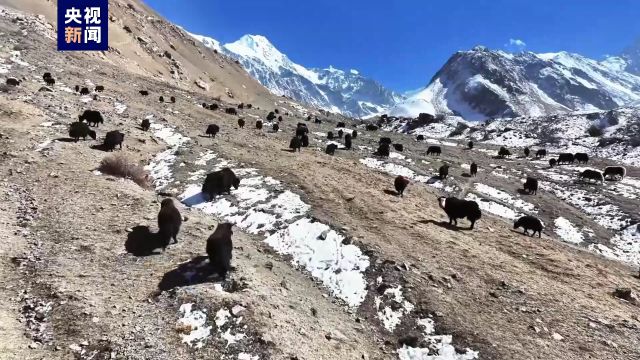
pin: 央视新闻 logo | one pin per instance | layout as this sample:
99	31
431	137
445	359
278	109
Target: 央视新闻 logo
83	25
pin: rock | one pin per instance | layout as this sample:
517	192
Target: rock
557	336
45	88
284	284
238	310
269	265
33	345
349	197
626	294
338	336
314	312
323	235
203	85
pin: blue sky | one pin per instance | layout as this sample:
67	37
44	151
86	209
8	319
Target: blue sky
403	43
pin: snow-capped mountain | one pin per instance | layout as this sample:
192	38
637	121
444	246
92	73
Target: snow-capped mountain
345	92
628	60
482	83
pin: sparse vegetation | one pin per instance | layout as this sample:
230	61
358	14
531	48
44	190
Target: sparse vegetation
120	165
594	131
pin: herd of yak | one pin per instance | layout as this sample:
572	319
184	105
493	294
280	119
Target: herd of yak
219	244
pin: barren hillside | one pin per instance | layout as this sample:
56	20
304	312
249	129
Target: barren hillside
329	263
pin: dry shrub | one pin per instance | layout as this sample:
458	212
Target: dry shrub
121	166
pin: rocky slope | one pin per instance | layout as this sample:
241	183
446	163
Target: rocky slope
345	92
480	84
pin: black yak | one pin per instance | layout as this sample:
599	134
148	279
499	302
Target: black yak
317	121
302	130
241	106
503	152
173	99
220	248
259	124
340	133
231	111
212	130
529	223
541	153
553	162
12	81
330	135
459	209
565	158
341	125
214	107
470	145
271	116
169	222
280	118
241	123
473	169
331	149
84	91
531	185
79	130
615	172
420	138
144	92
398	147
145	125
589	175
371	127
77	88
161	98
383	150
295	144
50	81
99	88
434	150
354	134
304	140
112	139
347	141
92	117
581	158
46	75
204	105
275	127
384	140
400	183
527	152
219	182
443	172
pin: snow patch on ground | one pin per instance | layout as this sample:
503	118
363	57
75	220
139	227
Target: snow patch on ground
506	198
119	108
321	252
439	348
567	231
391	316
493	207
192	325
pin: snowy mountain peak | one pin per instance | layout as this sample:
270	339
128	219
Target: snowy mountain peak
332	89
483	83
